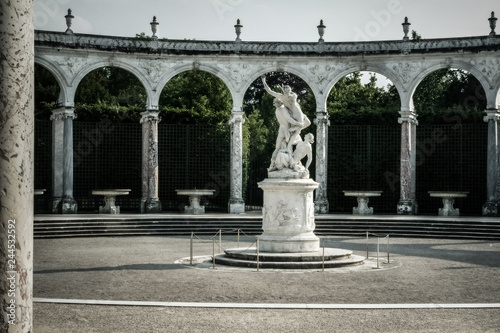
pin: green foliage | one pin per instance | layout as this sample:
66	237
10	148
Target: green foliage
351	102
195	97
449	94
46	92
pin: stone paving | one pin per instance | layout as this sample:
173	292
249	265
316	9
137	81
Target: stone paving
429	272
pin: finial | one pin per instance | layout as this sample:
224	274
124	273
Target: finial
493	24
321	31
154	27
406	28
69	21
237	29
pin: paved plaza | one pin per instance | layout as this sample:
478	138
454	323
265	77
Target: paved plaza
429	285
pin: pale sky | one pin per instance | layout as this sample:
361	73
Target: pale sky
271	20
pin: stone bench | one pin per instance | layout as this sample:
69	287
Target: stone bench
448	200
109	200
363	199
194	200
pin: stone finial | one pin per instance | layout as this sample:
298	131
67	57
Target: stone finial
69	21
406	28
493	24
321	31
154	27
237	29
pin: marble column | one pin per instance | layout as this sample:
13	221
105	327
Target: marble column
16	165
62	161
492	205
236	203
407	204
322	122
57	158
150	203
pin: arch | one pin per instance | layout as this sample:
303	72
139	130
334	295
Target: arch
450	64
151	103
376	68
237	99
289	69
60	79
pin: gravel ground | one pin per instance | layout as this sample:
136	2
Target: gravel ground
144	269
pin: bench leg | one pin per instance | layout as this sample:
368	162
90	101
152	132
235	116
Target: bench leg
448	209
194	207
362	208
109	207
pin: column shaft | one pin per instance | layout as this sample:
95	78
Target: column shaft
492	205
57	160
407	204
236	202
150	203
321	205
16	165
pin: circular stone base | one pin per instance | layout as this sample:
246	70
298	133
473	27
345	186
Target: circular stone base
309	260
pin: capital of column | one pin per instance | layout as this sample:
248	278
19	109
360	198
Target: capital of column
63	113
322	118
150	116
408	116
492	114
237	117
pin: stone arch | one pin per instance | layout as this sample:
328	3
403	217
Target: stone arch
237	99
150	102
450	64
60	79
289	69
376	68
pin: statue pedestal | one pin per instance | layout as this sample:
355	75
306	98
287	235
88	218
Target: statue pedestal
288	216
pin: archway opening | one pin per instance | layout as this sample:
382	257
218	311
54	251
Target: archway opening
47	92
107	137
363	141
451	139
194	139
261	128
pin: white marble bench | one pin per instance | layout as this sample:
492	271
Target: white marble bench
194	200
448	200
363	199
109	200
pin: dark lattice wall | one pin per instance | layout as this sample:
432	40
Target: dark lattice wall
449	157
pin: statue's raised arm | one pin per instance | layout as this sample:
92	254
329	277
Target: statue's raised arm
273	93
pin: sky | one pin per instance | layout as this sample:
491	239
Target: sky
271	20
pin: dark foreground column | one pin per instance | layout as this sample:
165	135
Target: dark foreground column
150	203
492	205
407	204
16	165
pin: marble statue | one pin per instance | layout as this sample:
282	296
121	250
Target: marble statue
292	121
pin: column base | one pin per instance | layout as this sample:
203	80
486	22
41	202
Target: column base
321	207
69	206
150	205
409	207
491	208
56	205
236	206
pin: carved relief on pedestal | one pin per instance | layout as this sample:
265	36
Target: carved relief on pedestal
280	215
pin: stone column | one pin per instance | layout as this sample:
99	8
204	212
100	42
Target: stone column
322	122
16	165
150	203
62	161
57	158
407	204
236	202
492	205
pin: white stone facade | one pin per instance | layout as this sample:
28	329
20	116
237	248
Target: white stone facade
406	63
